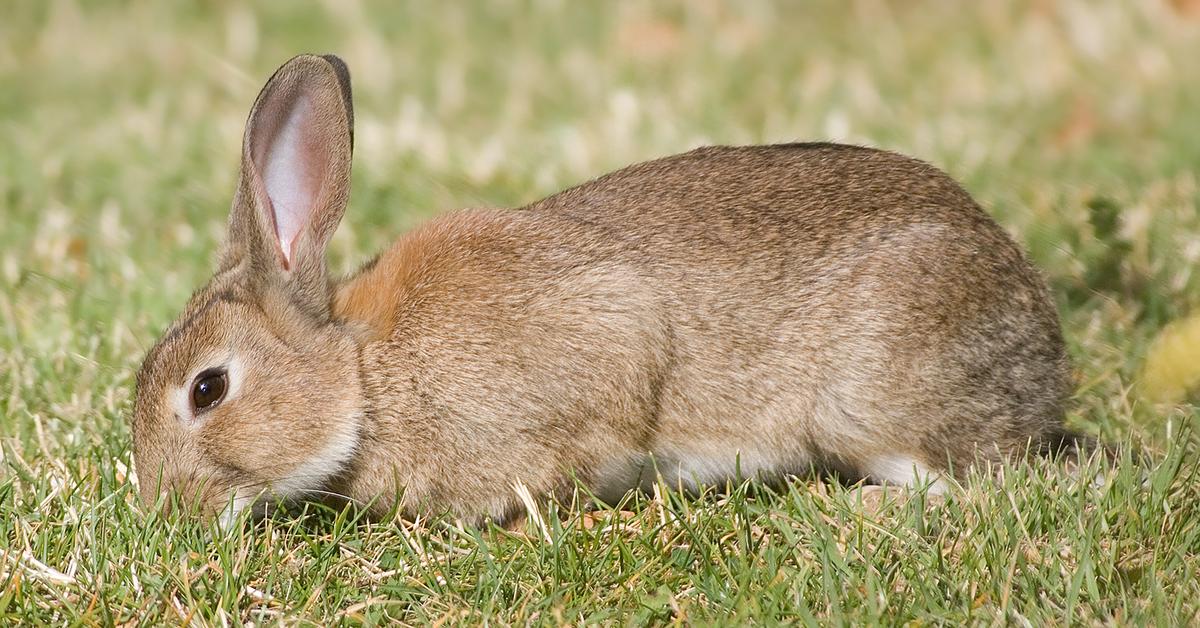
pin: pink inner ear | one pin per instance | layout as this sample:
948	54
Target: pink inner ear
291	171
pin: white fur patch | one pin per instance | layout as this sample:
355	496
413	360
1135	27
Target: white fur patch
237	504
904	471
306	477
698	465
326	463
695	467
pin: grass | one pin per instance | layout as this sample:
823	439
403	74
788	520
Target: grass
1074	123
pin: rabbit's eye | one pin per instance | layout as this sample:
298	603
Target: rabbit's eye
208	389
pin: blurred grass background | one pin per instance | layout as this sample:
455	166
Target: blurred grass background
1074	123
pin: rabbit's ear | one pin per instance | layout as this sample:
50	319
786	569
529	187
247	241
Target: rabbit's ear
295	178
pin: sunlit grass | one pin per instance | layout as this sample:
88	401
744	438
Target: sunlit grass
1074	123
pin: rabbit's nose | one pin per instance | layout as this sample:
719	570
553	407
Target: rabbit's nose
186	494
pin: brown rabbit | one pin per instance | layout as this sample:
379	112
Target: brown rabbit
731	311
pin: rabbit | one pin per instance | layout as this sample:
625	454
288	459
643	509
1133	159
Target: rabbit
729	312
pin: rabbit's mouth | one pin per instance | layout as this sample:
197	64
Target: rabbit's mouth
238	502
253	504
258	505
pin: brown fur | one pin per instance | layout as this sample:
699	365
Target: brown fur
792	305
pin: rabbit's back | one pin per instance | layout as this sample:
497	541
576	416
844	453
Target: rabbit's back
851	304
748	309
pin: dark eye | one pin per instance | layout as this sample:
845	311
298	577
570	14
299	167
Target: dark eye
208	389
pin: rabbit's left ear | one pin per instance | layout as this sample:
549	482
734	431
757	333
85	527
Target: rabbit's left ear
295	178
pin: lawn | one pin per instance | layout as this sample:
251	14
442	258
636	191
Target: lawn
1076	124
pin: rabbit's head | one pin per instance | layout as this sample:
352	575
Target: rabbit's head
254	390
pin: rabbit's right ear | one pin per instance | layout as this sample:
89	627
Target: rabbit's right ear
295	179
